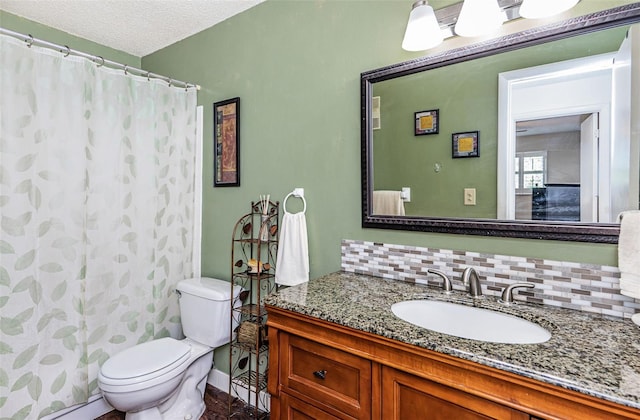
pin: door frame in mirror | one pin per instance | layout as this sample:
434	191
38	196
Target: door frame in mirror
581	232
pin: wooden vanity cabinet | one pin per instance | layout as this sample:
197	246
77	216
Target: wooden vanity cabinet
321	370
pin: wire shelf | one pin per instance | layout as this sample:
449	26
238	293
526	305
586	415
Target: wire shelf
254	241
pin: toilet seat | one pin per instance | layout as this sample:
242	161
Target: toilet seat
140	365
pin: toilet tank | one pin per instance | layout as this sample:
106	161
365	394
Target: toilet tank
205	309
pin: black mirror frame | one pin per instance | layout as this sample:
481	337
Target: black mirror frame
583	232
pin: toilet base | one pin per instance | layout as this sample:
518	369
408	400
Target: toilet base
149	414
154	413
185	402
188	402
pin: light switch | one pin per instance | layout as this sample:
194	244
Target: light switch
469	196
406	194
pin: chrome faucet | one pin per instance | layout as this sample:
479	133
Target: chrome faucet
507	293
446	282
472	282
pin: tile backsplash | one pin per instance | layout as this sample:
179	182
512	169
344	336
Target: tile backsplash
584	287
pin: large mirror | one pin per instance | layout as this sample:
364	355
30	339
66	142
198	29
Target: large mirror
525	136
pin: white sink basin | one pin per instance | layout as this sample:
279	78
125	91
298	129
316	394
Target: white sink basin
470	322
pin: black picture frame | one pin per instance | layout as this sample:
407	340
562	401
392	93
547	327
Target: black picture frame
226	143
426	122
465	144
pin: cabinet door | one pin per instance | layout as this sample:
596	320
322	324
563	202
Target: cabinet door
408	397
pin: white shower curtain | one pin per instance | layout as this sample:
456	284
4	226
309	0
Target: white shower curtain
97	173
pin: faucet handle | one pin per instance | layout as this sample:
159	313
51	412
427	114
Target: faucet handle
507	293
446	282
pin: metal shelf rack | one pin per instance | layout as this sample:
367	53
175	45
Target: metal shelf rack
254	247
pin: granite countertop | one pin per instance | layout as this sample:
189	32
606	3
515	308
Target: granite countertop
592	354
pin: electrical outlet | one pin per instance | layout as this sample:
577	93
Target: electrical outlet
469	196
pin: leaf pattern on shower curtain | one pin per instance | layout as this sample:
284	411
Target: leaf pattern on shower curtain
96	221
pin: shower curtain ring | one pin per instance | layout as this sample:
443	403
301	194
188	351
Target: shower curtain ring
170	82
68	50
126	66
29	41
101	61
148	77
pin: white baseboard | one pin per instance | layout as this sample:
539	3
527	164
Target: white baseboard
96	407
220	380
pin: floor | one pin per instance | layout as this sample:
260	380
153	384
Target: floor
216	402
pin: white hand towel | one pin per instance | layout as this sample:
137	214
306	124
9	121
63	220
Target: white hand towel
629	253
388	203
292	266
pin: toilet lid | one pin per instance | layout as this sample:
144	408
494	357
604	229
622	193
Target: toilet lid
150	359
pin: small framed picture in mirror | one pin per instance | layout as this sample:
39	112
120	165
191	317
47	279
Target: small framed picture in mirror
465	144
427	122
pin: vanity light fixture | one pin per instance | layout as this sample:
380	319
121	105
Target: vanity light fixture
423	31
479	17
427	28
537	9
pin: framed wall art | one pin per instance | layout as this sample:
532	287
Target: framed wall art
465	144
226	142
427	122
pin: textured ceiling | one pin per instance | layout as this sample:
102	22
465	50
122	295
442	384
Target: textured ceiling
138	27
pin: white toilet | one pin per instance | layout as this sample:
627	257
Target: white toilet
166	378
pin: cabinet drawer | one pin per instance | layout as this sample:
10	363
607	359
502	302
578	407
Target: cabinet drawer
328	376
294	409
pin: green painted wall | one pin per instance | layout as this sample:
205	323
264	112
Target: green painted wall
39	31
466	95
296	66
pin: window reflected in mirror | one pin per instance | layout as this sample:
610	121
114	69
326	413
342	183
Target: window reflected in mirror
570	122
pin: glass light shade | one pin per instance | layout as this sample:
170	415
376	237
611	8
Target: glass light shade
479	17
423	31
537	9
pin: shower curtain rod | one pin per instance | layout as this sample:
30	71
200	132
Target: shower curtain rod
64	49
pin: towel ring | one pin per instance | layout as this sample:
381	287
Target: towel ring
304	202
